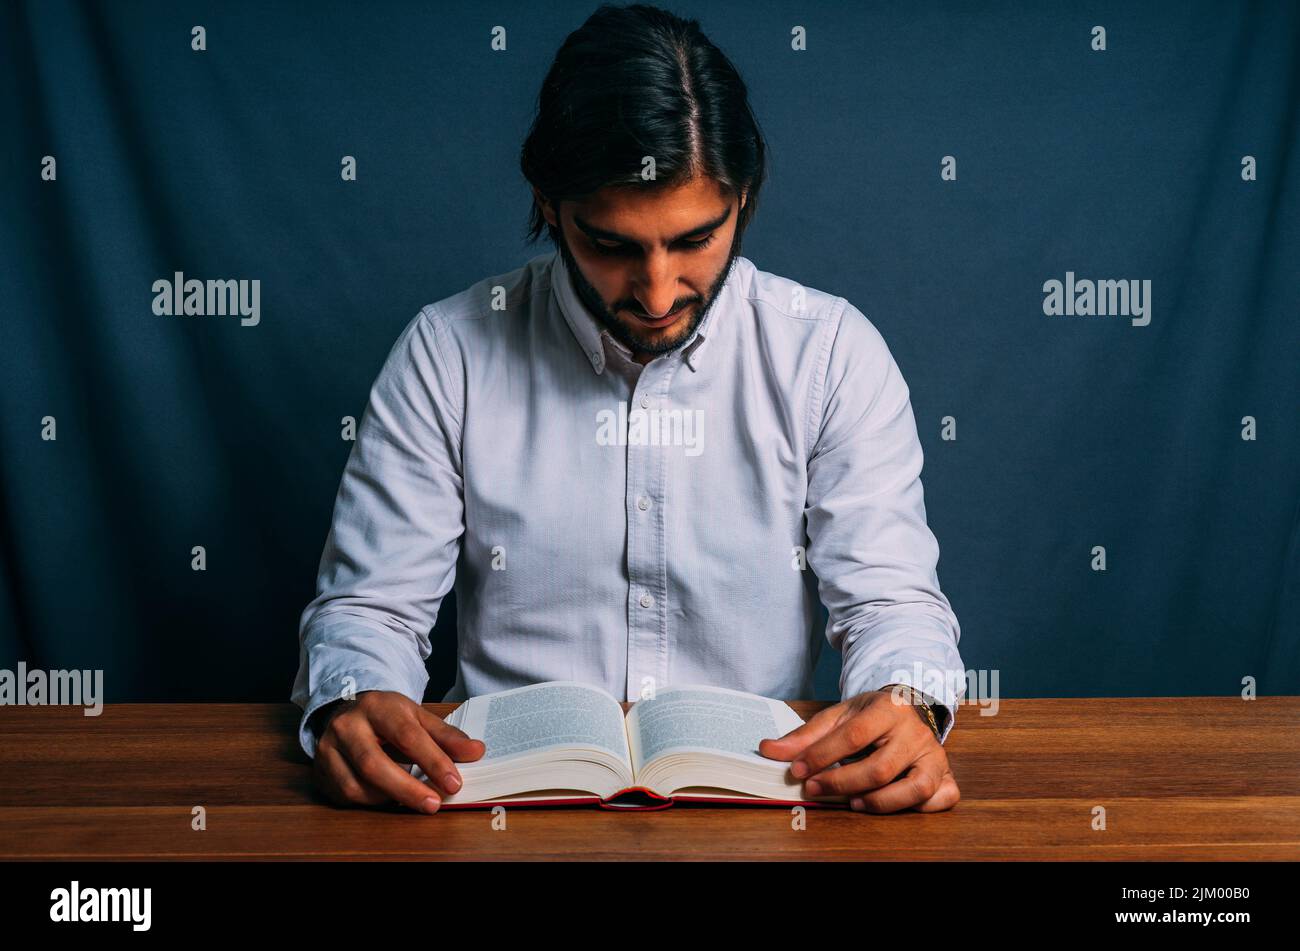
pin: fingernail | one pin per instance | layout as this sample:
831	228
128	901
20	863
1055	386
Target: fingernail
430	805
799	769
857	805
450	782
813	788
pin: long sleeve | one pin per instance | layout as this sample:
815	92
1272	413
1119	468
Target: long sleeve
390	557
874	556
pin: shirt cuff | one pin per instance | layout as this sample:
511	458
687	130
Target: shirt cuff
335	688
855	682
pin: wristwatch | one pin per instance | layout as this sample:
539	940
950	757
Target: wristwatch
922	703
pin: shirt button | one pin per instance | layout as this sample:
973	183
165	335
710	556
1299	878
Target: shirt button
643	503
646	601
645	401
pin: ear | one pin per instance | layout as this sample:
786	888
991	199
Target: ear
548	212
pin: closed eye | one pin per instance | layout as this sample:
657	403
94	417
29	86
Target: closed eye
619	249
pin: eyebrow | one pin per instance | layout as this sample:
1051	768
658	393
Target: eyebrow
594	232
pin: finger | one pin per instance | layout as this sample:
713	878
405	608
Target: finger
882	767
411	738
918	784
850	736
947	796
793	743
340	784
373	766
458	744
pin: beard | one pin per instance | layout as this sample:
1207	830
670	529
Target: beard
639	339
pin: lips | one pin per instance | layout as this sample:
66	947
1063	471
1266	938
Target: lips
662	321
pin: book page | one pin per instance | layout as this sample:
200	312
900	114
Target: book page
543	716
713	720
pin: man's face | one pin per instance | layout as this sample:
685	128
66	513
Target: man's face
637	253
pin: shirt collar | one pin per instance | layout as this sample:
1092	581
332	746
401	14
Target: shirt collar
589	332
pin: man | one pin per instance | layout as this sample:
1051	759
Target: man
640	460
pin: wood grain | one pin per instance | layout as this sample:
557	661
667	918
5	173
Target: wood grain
1199	778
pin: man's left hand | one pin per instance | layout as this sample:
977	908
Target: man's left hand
908	769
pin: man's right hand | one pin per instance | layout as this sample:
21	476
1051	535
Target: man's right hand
353	765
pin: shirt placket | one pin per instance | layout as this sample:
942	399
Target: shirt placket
647	556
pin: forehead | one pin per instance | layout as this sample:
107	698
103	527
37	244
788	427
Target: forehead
651	214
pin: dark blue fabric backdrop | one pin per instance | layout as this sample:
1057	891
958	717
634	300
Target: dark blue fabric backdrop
1072	432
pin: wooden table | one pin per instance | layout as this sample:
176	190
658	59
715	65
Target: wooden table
1180	778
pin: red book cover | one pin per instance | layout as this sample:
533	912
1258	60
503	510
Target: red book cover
641	799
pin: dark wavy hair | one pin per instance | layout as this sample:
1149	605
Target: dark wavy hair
635	81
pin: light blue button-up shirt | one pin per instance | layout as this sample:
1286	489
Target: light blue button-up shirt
632	527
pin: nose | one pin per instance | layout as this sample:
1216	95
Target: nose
658	290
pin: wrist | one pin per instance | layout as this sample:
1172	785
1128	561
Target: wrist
321	717
924	705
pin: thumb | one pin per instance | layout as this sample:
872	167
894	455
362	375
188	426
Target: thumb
797	740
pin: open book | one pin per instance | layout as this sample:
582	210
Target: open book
563	742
